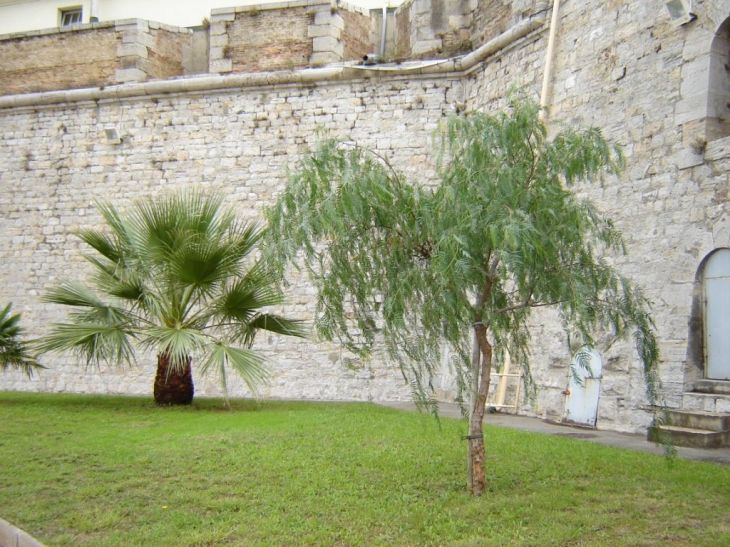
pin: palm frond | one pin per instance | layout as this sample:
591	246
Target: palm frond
123	284
92	310
178	343
247	363
73	293
95	343
104	244
241	300
279	325
14	352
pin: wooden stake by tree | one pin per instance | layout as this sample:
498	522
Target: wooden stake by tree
500	235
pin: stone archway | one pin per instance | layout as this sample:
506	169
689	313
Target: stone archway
711	288
716	315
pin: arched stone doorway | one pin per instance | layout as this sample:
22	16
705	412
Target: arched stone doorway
708	341
716	315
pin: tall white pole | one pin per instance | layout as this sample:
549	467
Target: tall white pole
549	61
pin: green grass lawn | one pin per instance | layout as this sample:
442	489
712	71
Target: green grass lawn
117	471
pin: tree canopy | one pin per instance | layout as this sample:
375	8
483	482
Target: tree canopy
172	274
467	259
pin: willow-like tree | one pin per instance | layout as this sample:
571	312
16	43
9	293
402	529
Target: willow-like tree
172	274
463	262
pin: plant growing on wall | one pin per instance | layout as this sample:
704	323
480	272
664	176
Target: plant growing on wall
14	352
174	275
466	261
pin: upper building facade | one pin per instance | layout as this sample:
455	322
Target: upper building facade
26	15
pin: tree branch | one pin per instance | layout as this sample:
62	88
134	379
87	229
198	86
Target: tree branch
387	164
528	304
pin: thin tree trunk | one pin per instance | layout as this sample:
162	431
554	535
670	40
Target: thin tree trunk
477	481
476	363
173	387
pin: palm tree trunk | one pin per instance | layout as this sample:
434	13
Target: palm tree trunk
172	386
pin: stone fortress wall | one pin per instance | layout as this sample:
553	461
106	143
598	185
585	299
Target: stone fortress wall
656	89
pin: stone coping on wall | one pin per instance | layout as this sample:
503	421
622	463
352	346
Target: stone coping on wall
10	536
121	23
216	13
453	67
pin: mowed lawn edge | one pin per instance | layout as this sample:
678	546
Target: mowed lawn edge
119	471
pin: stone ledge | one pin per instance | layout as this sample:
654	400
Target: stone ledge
222	13
718	149
56	30
145	25
359	9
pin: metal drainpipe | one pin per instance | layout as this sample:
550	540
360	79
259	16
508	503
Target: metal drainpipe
549	61
94	11
385	23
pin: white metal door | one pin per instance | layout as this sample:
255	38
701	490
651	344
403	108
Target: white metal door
584	388
717	315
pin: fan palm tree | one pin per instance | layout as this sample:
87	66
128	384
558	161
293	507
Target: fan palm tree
15	353
172	274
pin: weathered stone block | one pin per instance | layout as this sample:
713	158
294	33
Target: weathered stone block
323	58
425	46
126	25
219	41
220	66
459	21
130	75
689	158
691	108
131	49
218	27
138	37
314	31
325	43
337	22
323	17
718	149
222	15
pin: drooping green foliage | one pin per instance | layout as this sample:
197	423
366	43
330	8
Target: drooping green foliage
15	352
173	274
501	233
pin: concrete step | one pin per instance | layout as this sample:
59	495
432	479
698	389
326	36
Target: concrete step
717	387
708	402
690	437
699	419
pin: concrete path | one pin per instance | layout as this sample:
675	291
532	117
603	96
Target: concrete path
611	438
